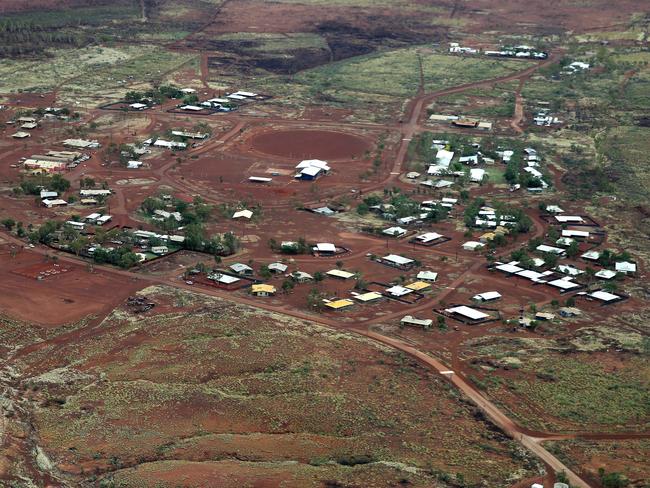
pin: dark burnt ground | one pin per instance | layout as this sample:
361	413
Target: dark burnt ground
343	37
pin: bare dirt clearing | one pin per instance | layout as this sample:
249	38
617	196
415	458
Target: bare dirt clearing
303	144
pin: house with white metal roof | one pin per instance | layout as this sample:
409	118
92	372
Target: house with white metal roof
476	175
563	284
277	267
568	269
510	268
428	237
473	245
430	276
241	268
398	291
625	267
54	203
325	247
605	274
301	276
223	279
591	255
339	273
604	296
467	312
398	260
581	234
550	249
410	320
395	231
242	214
487	296
569	219
367	297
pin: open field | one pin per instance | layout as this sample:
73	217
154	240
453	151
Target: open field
65	293
569	384
373	85
93	74
205	383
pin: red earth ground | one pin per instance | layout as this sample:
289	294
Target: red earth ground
309	144
234	153
60	299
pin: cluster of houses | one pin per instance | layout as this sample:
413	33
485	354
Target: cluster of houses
53	161
91	219
441	166
165	144
533	161
239	275
147	245
544	118
50	199
92	196
568	277
576	67
227	103
522	52
30	122
525	52
146	103
489	218
456	48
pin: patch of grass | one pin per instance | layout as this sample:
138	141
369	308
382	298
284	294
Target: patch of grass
92	72
495	175
627	149
584	392
377	84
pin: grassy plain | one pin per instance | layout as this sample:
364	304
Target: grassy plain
377	84
569	383
91	74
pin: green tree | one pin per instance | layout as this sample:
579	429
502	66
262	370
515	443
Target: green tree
265	272
194	237
8	223
59	184
315	299
79	244
287	285
573	250
612	480
442	322
550	259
